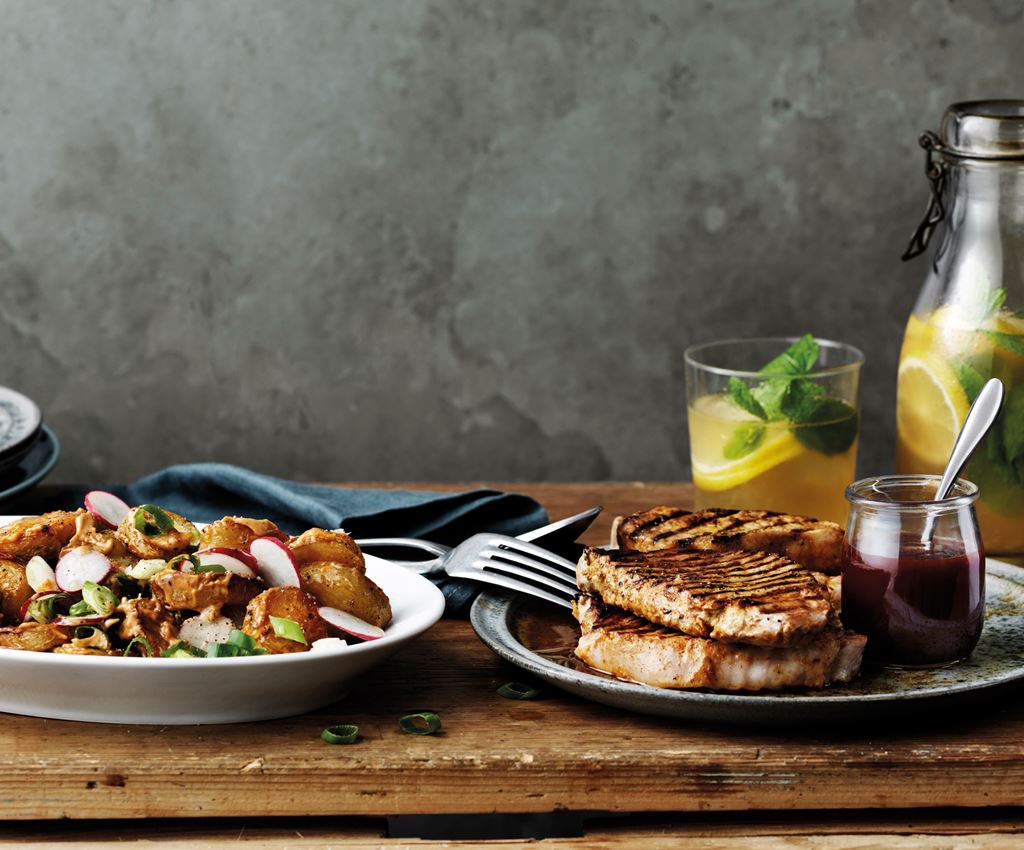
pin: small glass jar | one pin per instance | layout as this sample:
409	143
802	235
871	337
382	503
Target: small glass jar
913	570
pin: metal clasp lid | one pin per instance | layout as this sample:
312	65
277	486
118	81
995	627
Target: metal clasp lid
936	171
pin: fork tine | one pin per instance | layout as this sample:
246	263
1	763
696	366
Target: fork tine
507	582
489	560
538	552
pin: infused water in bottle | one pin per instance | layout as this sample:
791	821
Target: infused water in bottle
968	323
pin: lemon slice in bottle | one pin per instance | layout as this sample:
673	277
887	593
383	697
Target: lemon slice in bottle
931	405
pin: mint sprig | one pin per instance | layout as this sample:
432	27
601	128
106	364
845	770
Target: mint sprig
828	425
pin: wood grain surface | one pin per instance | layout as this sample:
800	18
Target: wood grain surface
496	755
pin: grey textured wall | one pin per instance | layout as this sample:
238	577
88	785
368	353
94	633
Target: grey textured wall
454	239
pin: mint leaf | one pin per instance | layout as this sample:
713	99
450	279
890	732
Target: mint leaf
970	379
799	402
996	300
1010	342
741	395
1011	428
827	425
798	359
744	440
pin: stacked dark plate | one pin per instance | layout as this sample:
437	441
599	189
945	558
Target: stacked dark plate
28	448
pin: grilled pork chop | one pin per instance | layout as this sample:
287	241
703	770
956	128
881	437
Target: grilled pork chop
746	597
628	647
812	543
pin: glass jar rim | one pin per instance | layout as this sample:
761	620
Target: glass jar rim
692	354
963	494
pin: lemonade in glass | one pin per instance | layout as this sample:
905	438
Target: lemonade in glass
773	424
947	356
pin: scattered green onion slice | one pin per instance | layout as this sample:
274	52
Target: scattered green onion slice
142	642
152	521
237	645
176	562
420	723
210	568
147	568
223	650
100	599
240	639
343	734
80	609
85	632
180	649
44	609
518	690
288	629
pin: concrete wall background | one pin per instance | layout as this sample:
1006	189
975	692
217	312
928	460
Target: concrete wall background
454	239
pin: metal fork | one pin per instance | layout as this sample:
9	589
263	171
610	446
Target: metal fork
514	564
559	532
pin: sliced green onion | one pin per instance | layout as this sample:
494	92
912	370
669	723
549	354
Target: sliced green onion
288	629
243	641
147	568
100	599
180	649
518	690
194	537
210	568
420	723
142	642
80	609
177	561
344	734
44	609
152	521
237	645
85	632
223	650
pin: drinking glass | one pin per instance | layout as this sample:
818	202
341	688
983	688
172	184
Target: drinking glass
773	433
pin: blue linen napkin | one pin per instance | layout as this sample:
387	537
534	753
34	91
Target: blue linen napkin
207	491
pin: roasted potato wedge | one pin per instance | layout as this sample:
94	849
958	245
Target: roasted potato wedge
181	591
346	587
237	532
181	538
318	545
290	603
71	649
102	540
34	637
42	535
14	590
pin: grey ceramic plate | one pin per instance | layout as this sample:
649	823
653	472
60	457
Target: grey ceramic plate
534	635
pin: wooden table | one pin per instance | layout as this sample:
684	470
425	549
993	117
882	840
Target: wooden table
650	783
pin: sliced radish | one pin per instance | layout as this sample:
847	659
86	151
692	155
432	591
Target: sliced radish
23	613
71	622
106	507
350	624
275	563
40	575
81	565
233	560
199	632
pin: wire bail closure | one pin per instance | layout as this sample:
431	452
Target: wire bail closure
937	172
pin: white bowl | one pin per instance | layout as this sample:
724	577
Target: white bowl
184	691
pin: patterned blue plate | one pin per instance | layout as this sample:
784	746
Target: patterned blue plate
33	467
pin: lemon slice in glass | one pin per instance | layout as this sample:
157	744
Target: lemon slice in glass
930	407
779	446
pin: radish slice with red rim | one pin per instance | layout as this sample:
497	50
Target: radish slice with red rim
81	565
350	624
40	575
275	562
71	622
106	507
233	560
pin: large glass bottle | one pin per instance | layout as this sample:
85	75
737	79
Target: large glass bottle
968	323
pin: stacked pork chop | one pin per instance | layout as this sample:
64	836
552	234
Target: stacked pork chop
732	600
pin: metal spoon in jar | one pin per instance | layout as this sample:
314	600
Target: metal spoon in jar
980	419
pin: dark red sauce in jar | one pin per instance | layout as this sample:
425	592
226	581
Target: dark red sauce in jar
924	607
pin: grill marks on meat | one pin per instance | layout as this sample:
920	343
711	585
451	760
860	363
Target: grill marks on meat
812	543
628	647
748	597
